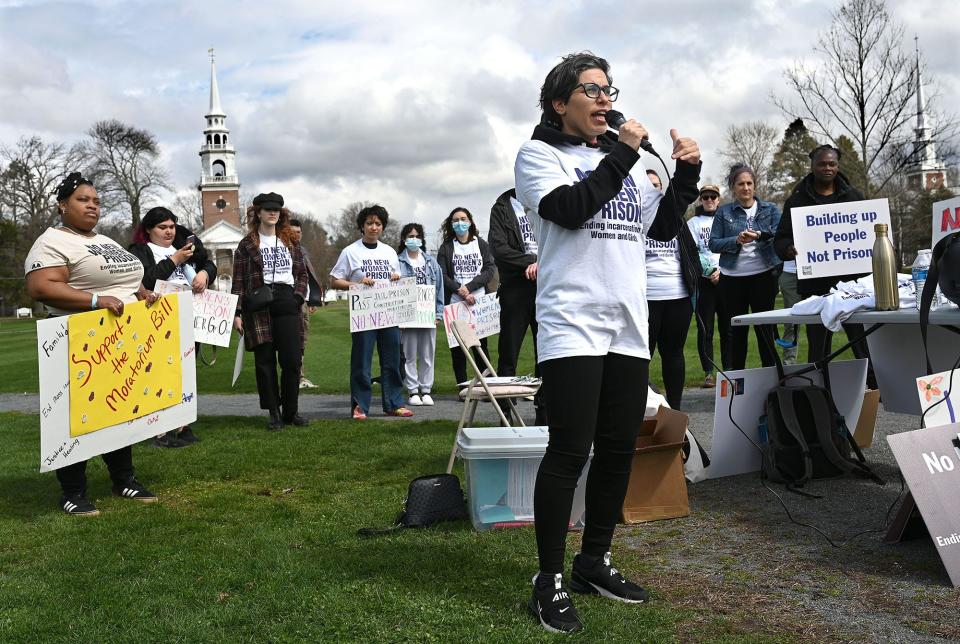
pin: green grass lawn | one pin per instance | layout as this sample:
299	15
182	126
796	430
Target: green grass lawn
327	359
254	539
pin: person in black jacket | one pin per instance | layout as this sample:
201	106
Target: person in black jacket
514	249
584	191
468	267
825	184
160	243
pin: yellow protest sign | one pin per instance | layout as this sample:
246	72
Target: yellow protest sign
123	367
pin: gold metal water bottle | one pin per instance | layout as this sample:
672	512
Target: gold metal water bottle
884	271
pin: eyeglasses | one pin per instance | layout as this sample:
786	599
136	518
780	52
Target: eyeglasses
709	197
592	90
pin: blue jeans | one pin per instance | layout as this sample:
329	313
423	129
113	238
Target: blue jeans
387	342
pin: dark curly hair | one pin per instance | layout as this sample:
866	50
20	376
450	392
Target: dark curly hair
377	211
406	231
447	226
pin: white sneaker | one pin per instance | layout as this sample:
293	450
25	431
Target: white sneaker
415	400
306	384
427	400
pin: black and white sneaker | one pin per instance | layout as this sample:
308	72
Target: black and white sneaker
133	489
78	506
552	606
603	579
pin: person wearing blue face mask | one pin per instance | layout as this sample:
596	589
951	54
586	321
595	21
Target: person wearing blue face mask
468	267
419	345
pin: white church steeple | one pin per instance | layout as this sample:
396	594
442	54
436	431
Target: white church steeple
925	170
219	182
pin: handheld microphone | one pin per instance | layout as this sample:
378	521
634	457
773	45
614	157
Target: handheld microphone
615	119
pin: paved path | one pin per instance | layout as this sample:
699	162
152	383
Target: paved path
337	407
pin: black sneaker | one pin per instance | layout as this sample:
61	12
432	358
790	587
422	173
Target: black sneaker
133	489
552	606
604	580
78	506
187	436
169	440
275	424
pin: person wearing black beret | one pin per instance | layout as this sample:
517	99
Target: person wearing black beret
268	257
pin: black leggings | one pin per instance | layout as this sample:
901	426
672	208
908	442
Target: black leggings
669	323
708	307
460	360
755	293
591	400
73	478
286	349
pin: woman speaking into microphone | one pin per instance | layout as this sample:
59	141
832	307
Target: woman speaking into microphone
590	214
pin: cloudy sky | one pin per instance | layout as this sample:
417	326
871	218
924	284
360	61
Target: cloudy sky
419	105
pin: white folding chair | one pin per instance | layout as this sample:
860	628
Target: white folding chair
480	390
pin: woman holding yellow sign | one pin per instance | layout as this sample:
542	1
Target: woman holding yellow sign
71	269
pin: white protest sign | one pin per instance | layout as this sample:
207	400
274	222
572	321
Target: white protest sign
213	313
426	315
484	317
936	400
946	219
383	305
238	361
837	239
118	356
733	453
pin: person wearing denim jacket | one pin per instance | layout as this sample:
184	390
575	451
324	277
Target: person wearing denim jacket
419	345
743	234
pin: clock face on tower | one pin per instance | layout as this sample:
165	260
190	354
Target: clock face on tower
220	203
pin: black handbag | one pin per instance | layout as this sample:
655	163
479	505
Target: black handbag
261	297
430	499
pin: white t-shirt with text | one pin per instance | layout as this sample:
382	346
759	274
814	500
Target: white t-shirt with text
592	281
526	230
95	264
467	264
664	279
277	261
161	253
356	262
748	261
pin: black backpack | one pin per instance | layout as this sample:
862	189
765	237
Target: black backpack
806	436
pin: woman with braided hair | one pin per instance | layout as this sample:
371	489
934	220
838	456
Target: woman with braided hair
64	271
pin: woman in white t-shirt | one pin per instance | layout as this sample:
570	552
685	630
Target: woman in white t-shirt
268	258
70	269
170	252
742	233
468	267
369	261
583	190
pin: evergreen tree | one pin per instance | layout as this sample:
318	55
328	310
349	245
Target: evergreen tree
851	164
791	161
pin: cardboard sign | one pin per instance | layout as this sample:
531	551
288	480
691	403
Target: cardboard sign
117	395
383	305
123	367
946	219
732	453
213	313
426	314
837	239
930	462
484	317
936	403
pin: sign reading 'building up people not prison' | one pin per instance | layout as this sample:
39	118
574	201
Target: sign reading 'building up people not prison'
837	239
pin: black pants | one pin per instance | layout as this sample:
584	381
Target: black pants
286	349
73	478
708	307
820	341
460	360
669	322
518	311
755	293
591	400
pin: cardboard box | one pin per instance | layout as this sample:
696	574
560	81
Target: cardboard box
867	422
501	466
657	488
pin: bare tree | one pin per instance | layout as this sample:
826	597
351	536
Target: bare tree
34	168
188	207
125	163
753	143
343	226
863	87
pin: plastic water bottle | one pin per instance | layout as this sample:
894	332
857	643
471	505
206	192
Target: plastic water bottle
921	266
